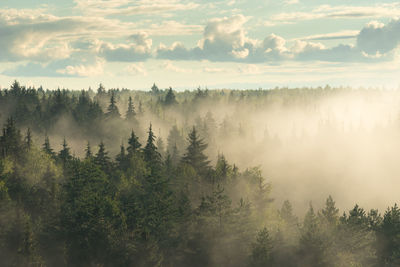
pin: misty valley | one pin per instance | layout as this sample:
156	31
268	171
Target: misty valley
164	177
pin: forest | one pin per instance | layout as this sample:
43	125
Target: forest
278	177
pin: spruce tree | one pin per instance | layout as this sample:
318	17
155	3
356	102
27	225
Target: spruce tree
28	139
88	151
170	98
47	148
102	158
151	155
64	155
261	254
130	113
194	155
112	110
133	144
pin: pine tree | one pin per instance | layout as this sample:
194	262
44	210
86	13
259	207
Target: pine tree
389	238
130	113
28	139
102	158
261	254
112	110
170	98
176	140
330	213
11	141
47	148
65	155
88	151
122	158
154	89
286	213
311	246
160	147
151	155
133	144
195	153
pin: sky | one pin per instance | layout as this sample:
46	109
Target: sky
186	44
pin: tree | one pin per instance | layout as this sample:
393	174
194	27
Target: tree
154	89
194	155
130	113
112	110
311	246
170	98
286	213
133	144
261	254
11	141
175	141
150	152
102	159
28	139
64	155
92	223
47	148
389	238
88	151
330	214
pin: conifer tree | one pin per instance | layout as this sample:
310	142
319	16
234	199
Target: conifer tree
261	254
28	139
47	148
112	110
154	89
194	155
133	144
88	151
170	98
130	113
102	158
150	152
64	155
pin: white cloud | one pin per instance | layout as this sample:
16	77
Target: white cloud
136	69
83	70
171	67
339	12
379	38
346	34
132	7
138	50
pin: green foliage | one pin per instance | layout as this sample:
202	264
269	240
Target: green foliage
261	254
194	155
130	206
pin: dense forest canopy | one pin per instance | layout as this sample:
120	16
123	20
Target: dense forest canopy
199	178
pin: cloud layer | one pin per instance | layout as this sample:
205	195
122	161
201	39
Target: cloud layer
42	44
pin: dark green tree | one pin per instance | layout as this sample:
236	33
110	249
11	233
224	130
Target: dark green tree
112	110
130	113
194	155
261	254
64	155
170	98
133	144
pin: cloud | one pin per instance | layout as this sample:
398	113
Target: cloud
84	70
346	34
377	38
170	67
139	49
339	12
135	69
132	7
71	67
224	39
